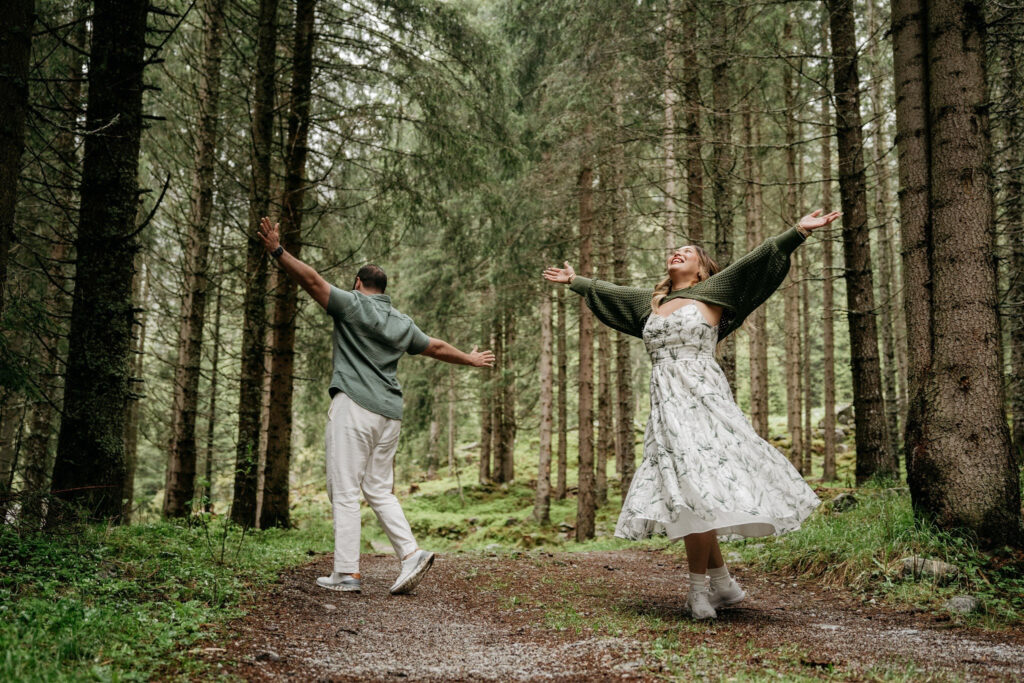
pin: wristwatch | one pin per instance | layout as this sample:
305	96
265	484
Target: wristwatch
277	252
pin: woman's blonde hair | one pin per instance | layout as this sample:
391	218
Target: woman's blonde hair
708	267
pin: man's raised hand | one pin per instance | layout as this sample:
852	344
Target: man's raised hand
269	234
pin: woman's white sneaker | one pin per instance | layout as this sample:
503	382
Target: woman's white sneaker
699	606
413	569
730	594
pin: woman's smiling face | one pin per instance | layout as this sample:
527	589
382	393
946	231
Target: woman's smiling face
684	264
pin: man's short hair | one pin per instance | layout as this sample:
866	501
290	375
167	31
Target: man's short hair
373	277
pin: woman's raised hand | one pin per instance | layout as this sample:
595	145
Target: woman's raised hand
815	220
560	275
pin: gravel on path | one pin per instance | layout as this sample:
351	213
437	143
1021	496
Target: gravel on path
590	617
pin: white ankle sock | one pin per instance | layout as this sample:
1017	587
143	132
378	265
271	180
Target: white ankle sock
719	576
697	584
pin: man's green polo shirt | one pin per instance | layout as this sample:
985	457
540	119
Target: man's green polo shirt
369	338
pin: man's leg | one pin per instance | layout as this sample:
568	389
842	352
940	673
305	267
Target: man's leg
378	485
349	444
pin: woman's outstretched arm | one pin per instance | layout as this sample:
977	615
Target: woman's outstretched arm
621	308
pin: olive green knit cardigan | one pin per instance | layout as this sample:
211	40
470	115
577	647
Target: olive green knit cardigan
738	289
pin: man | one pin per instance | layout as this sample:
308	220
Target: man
365	416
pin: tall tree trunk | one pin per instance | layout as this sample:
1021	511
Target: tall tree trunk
757	322
913	143
452	428
250	395
874	457
542	499
585	500
791	292
961	469
605	414
828	330
211	417
181	457
668	135
805	360
803	261
486	412
883	202
90	466
140	292
563	411
694	161
508	399
625	450
275	509
498	399
722	161
433	439
15	50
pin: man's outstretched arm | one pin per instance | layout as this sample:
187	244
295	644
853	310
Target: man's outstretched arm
442	350
304	276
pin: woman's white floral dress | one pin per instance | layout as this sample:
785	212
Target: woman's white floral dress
704	466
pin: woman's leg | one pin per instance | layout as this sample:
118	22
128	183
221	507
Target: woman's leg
700	549
715	559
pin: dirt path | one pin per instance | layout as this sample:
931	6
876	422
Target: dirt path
590	616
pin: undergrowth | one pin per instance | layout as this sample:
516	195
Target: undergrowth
112	603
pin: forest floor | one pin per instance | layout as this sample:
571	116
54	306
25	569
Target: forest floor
598	615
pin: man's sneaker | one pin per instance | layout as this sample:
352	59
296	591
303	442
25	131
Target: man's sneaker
730	595
413	570
699	606
340	582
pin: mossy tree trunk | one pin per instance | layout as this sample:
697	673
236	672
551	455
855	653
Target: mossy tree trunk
90	466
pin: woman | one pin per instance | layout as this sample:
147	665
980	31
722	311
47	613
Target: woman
705	472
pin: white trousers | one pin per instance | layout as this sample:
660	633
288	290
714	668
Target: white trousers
360	455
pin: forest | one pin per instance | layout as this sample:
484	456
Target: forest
159	371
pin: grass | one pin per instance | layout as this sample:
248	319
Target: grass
115	603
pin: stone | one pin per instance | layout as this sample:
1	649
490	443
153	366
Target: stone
844	502
494	547
268	656
733	557
845	415
329	607
380	546
937	569
565	526
962	604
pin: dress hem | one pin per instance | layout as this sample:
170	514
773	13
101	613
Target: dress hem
730	526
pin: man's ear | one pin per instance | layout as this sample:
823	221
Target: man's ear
357	284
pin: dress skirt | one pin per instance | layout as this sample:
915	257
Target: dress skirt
704	467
